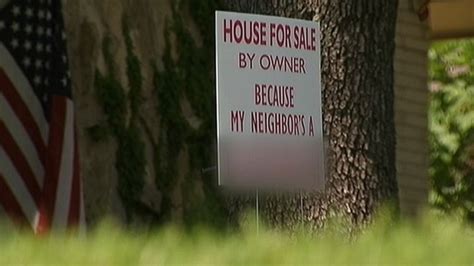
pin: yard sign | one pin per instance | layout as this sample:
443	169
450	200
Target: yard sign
269	124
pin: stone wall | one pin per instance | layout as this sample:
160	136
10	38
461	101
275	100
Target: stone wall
88	22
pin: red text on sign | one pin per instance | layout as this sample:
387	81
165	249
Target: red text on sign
274	95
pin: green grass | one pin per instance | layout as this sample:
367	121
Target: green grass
429	241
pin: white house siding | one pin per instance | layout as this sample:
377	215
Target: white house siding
411	103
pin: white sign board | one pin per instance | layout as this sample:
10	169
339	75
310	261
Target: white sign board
268	102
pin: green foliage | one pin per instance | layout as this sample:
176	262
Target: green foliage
111	97
134	73
130	165
452	127
98	132
109	92
429	242
117	105
109	57
188	76
173	127
185	75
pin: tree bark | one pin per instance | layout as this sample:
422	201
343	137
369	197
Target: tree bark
357	79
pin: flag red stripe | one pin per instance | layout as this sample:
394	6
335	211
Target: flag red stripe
55	148
20	163
23	114
11	205
75	199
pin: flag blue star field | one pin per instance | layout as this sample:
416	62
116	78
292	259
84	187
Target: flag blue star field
40	183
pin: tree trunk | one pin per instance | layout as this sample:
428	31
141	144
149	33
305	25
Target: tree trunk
357	79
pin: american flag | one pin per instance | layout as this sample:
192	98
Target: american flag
40	184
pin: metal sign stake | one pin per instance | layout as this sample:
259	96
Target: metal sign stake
302	209
256	209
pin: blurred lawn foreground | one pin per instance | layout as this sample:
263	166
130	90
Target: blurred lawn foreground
430	241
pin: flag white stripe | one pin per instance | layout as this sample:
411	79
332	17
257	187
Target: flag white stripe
22	139
18	188
24	89
66	172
